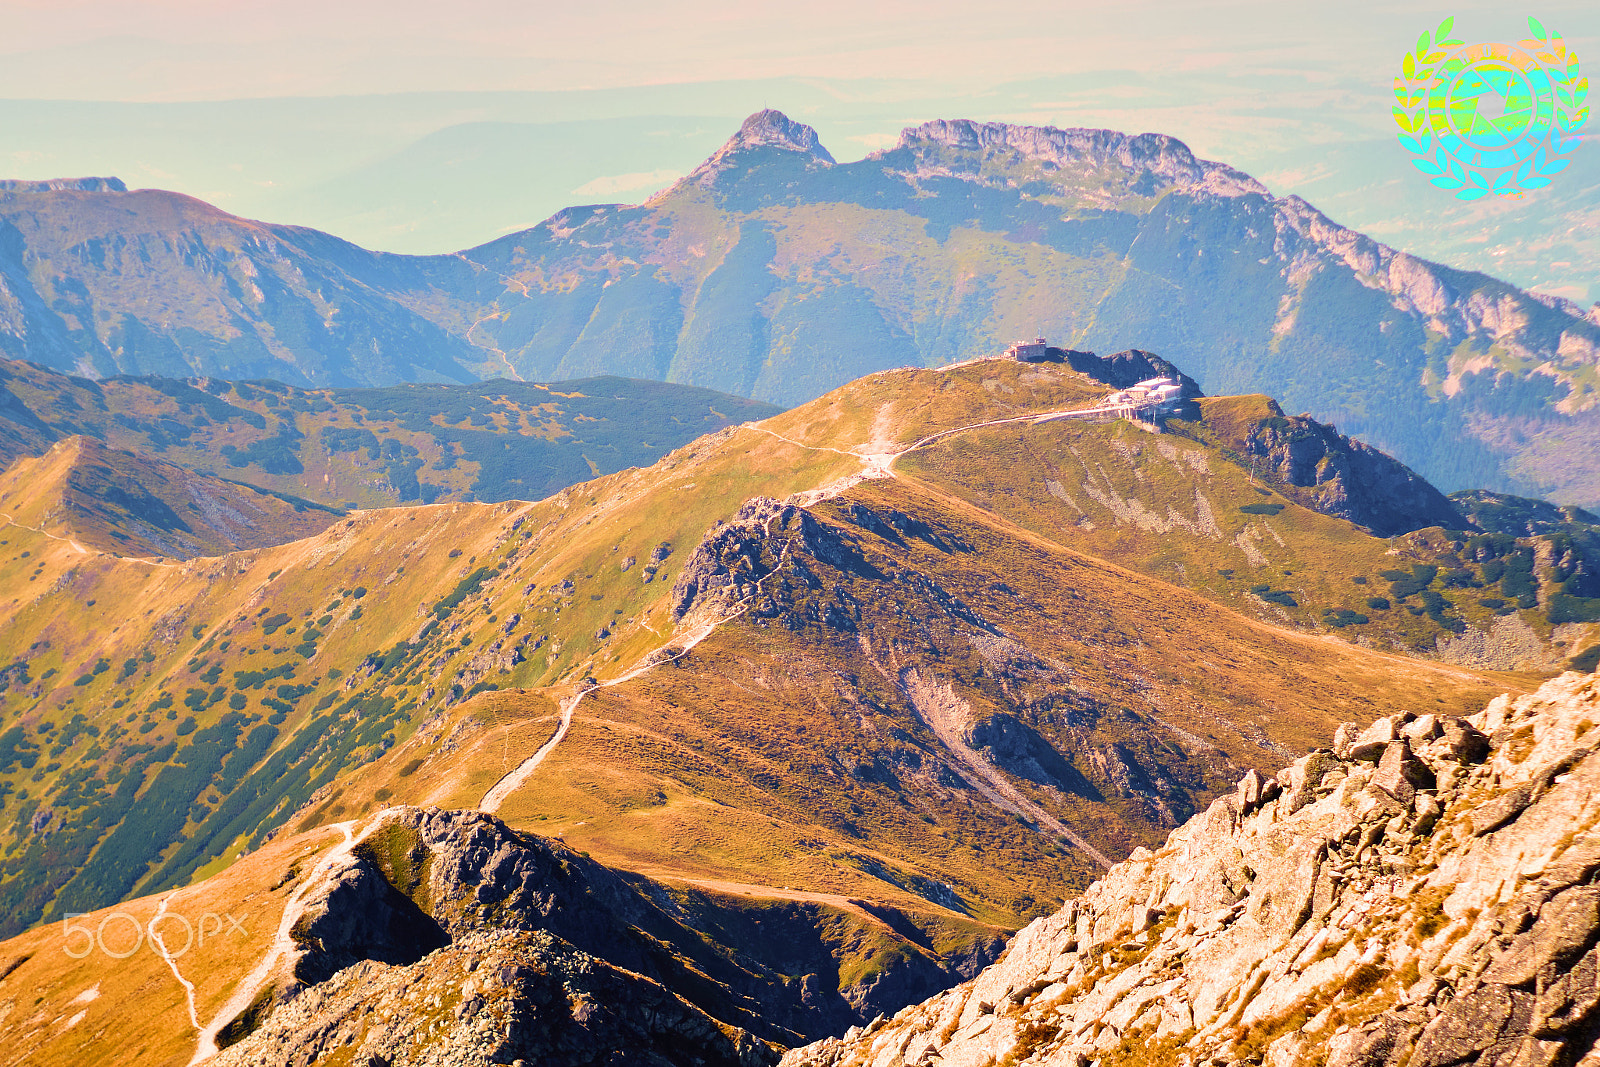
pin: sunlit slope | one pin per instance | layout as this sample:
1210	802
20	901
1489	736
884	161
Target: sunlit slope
142	745
130	505
261	657
489	441
893	691
841	735
1187	507
290	664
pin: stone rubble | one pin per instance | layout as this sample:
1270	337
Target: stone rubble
1423	894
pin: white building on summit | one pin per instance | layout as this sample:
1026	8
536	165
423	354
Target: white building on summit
1033	351
1150	393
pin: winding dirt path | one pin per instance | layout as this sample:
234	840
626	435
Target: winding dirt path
875	464
282	944
172	962
72	541
497	794
9	521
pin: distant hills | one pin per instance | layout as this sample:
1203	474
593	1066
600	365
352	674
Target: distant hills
371	447
773	272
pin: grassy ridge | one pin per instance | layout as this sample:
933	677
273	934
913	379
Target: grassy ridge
374	447
922	640
362	645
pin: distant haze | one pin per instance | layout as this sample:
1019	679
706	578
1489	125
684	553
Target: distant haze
421	127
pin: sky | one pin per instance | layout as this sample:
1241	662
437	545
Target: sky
173	50
421	126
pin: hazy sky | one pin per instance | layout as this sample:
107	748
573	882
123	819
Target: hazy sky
221	49
427	126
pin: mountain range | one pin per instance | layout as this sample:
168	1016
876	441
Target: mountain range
772	271
353	448
784	731
380	722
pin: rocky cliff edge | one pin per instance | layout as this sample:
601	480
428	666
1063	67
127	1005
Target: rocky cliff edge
1422	894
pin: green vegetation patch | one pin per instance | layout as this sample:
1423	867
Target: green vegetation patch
465	588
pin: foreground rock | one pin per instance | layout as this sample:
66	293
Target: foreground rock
1424	895
445	937
494	998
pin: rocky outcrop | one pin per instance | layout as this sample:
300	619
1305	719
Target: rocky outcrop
1079	150
1122	369
1424	893
728	570
495	998
1320	468
764	129
582	962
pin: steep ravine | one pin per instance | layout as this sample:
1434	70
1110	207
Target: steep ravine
1422	895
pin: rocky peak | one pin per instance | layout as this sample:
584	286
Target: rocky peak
64	185
1082	150
764	129
778	130
1319	468
1423	893
540	954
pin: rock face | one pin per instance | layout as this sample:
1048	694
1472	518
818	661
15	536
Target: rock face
572	961
495	998
729	566
1320	468
1122	369
764	129
1423	894
1084	151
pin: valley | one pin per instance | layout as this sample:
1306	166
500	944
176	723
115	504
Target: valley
857	670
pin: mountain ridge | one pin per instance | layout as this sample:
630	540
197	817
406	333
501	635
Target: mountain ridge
913	694
780	275
369	447
130	505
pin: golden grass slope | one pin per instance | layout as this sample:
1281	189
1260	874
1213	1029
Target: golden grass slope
121	503
432	649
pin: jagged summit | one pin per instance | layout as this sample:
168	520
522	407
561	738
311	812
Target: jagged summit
765	129
769	127
1422	894
1080	149
64	185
